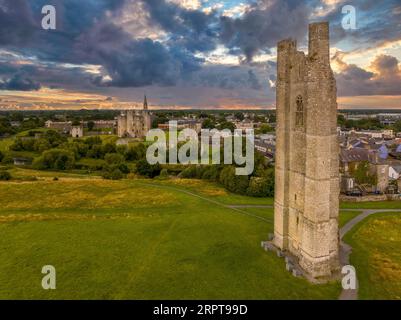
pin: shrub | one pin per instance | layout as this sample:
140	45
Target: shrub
121	149
136	152
188	173
7	159
95	140
232	182
211	172
116	174
41	145
145	169
114	158
109	148
30	178
95	152
164	173
5	175
58	159
258	187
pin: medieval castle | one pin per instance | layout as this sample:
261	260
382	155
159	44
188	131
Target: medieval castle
134	123
307	196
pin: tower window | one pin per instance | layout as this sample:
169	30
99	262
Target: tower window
299	114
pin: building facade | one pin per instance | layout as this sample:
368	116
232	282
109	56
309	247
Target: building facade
307	165
134	123
77	131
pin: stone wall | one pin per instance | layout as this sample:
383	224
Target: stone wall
307	178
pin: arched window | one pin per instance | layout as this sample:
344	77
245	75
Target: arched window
299	114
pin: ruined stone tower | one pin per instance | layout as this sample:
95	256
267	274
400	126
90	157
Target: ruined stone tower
307	176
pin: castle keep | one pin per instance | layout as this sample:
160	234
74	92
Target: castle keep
134	123
307	174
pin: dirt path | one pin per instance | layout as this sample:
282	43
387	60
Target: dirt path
346	249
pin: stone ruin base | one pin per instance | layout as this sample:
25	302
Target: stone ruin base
293	265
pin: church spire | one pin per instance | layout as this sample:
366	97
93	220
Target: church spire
145	103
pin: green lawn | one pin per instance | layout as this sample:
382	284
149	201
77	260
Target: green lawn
128	240
6	143
371	205
376	256
346	216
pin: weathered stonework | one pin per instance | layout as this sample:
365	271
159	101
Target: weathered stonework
307	175
134	123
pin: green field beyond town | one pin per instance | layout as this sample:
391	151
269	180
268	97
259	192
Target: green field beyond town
163	239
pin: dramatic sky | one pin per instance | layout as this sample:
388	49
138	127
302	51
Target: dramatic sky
188	53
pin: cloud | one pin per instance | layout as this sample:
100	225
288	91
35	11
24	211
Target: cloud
382	78
263	25
17	24
20	83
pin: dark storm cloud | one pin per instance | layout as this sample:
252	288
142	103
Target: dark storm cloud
130	62
194	30
385	79
20	83
233	77
84	36
376	21
262	26
88	33
16	22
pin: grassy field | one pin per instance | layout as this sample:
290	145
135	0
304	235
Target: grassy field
371	205
376	255
346	216
138	240
164	239
6	143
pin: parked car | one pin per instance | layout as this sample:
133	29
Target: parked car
354	193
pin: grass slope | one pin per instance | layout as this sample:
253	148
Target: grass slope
376	256
129	240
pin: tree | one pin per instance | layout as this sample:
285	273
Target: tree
341	120
226	125
58	159
136	152
232	182
91	125
41	145
148	170
208	124
114	159
109	148
239	116
5	175
397	126
361	173
95	152
265	128
116	174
